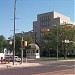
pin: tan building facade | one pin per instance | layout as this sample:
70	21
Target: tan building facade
47	20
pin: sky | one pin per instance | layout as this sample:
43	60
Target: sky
27	11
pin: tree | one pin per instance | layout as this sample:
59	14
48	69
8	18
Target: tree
49	40
18	40
68	34
3	43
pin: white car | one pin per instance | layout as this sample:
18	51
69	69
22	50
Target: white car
17	59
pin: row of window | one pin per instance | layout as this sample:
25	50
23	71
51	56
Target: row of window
45	23
45	18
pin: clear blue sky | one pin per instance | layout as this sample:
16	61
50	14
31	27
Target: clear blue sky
27	10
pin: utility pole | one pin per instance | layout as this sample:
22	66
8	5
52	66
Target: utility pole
14	31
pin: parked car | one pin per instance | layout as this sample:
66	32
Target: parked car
10	58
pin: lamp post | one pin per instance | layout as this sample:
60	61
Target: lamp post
65	51
66	42
14	30
10	49
57	38
57	42
22	48
10	46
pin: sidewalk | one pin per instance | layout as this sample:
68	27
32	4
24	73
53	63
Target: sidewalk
17	64
40	63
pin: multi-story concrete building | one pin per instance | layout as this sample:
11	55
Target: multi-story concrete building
47	20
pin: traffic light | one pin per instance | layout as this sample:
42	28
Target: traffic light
23	43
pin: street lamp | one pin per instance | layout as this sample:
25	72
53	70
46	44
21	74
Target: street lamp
10	46
10	49
10	42
66	42
57	39
22	48
57	42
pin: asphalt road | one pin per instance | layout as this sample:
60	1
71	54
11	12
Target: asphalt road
63	68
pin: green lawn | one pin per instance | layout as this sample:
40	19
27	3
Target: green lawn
54	58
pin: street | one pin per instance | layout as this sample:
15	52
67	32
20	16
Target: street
62	68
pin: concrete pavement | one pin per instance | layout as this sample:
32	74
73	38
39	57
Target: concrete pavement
27	64
10	65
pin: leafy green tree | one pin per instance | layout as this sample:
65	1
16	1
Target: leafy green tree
18	40
68	34
49	40
18	44
28	38
3	43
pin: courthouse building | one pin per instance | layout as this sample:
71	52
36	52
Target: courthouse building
47	20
